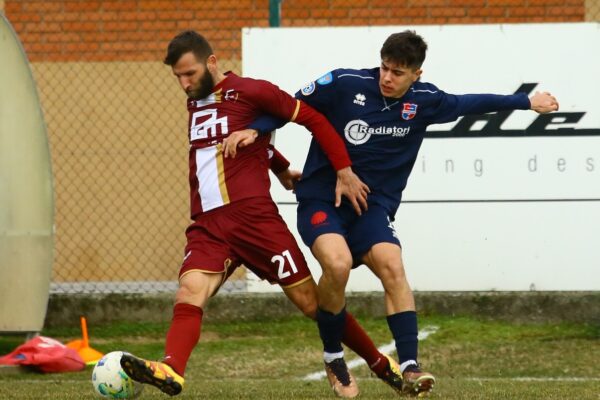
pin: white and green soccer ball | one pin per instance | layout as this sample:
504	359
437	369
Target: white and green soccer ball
110	381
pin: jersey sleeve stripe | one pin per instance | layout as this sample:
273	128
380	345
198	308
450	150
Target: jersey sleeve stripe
355	76
296	111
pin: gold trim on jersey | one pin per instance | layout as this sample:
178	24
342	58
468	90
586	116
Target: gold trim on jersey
226	265
218	95
205	271
296	111
297	283
221	173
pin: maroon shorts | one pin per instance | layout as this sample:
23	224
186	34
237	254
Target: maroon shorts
251	232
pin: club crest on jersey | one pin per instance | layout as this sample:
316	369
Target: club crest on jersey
325	79
409	110
308	89
231	95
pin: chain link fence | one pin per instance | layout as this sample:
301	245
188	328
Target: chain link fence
118	132
118	139
592	10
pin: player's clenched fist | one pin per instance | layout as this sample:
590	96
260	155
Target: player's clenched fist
543	102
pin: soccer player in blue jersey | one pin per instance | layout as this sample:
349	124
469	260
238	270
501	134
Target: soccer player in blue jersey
382	114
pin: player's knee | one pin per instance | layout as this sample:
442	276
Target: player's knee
392	274
192	292
305	299
309	308
337	268
184	295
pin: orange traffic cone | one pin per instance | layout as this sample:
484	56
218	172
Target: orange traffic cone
82	346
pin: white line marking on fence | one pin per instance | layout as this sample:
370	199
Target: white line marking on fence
385	349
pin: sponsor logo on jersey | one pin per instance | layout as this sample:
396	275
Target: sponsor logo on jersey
409	110
308	89
206	124
325	79
360	99
358	131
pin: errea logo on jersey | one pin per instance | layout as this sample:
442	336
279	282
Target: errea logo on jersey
360	99
358	131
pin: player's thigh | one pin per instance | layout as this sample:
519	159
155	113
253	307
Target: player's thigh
267	247
322	227
371	228
196	287
333	254
208	260
385	260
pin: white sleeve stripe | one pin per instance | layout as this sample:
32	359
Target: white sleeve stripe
423	90
356	76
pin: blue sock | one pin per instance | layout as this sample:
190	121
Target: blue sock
331	329
404	329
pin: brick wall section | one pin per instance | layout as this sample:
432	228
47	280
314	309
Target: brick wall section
128	30
138	30
418	12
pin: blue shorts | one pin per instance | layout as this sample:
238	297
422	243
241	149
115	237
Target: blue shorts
362	232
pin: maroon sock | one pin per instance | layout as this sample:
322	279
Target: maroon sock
183	335
357	339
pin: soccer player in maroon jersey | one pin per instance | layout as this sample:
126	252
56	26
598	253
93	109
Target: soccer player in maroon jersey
234	219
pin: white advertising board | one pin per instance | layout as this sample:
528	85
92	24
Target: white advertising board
498	202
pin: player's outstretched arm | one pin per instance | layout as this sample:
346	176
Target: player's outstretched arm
543	102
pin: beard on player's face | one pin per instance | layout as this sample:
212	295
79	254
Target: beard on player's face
203	88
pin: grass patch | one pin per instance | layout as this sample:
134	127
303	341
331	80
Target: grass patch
472	359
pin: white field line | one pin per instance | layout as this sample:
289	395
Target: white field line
385	349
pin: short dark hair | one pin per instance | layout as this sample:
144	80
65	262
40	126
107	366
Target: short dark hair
405	48
185	42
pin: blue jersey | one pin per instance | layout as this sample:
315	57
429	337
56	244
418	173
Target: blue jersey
382	135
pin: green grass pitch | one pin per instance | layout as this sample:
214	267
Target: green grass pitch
472	359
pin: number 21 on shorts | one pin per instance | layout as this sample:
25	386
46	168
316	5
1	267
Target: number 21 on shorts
284	269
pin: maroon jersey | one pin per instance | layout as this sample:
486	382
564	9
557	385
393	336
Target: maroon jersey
235	102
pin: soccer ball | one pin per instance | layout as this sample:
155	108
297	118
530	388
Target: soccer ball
111	381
